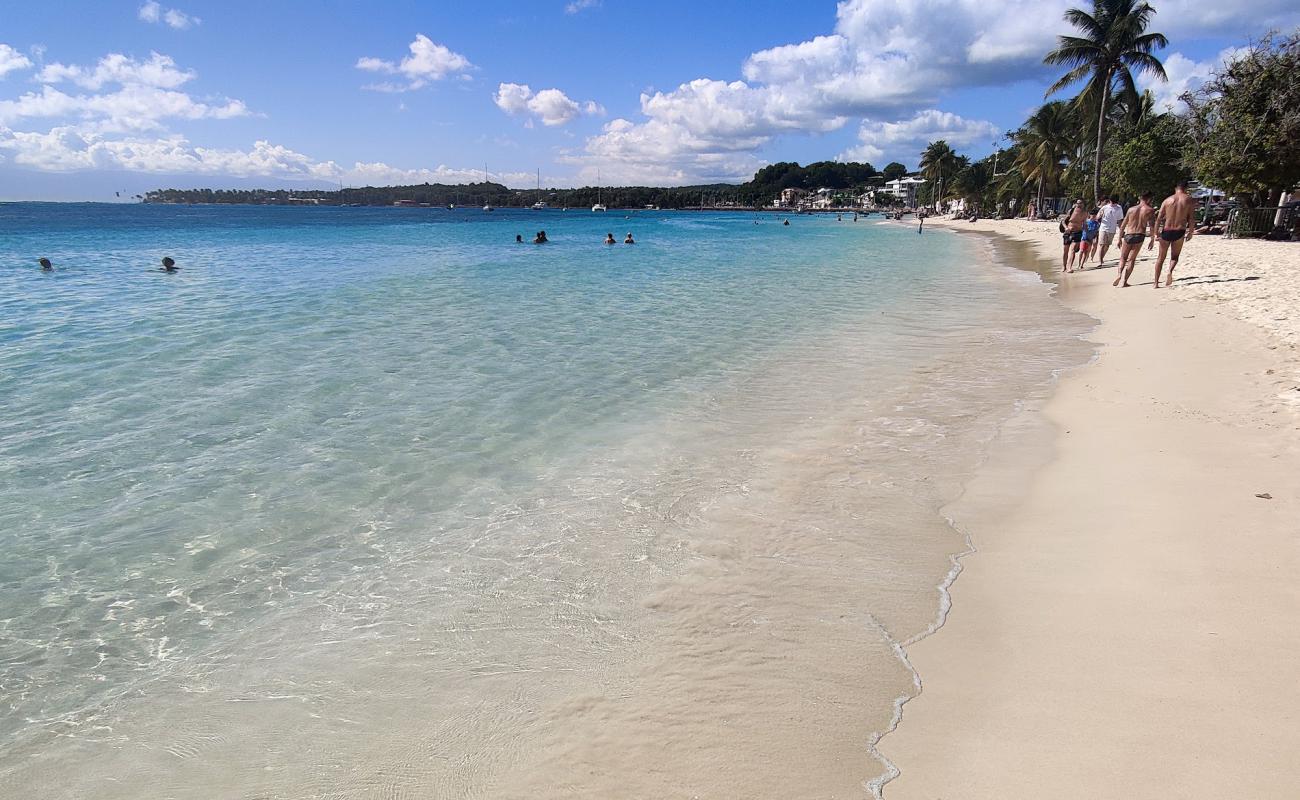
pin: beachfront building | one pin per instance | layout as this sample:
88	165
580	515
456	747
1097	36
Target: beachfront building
904	189
790	197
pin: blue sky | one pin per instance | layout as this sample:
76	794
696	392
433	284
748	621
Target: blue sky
98	97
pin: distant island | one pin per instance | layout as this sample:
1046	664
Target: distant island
846	180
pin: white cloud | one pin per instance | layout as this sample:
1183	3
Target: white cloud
549	106
1185	75
66	149
882	61
427	62
124	95
159	71
119	121
11	60
578	6
154	13
903	140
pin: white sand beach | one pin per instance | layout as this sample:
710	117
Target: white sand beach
1126	626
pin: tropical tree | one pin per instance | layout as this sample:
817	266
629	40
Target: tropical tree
1149	157
1114	46
893	171
1245	123
1045	140
938	163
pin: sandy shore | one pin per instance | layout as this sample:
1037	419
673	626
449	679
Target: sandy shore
1127	626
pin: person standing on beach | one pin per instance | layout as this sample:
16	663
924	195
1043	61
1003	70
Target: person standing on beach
1174	225
1108	216
1135	228
1088	247
1071	235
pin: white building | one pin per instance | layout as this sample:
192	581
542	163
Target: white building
904	189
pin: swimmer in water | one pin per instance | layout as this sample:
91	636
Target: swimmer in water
628	240
519	238
168	265
540	238
787	222
46	266
609	239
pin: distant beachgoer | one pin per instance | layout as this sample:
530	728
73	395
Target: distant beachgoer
609	239
519	238
787	222
168	265
46	266
628	240
1174	223
1109	216
1135	227
1071	235
540	238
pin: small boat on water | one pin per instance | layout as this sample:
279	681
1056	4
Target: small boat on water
488	205
540	204
599	206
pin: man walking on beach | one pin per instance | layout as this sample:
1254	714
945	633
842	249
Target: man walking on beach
1109	216
1174	226
1135	228
1071	235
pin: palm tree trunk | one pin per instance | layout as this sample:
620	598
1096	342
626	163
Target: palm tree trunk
1101	125
1040	193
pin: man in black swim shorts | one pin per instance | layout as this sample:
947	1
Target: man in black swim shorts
1071	235
1174	221
1134	228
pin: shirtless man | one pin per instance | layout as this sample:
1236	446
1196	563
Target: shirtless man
1174	223
1071	237
1135	227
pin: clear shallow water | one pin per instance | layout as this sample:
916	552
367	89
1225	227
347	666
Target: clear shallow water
369	502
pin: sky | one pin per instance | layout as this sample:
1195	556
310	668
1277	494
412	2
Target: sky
100	99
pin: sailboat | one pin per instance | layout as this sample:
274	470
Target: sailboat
539	205
599	205
488	205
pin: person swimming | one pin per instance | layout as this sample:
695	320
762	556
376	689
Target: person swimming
46	266
540	238
519	238
169	265
787	222
628	240
609	239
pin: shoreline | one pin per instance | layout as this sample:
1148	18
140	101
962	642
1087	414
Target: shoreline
1121	655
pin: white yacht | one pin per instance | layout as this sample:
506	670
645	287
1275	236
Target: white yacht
486	206
540	204
599	205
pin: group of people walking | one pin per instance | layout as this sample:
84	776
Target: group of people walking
1088	235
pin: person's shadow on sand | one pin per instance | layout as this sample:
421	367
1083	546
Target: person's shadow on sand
1192	280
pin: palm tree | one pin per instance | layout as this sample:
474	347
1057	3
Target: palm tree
1045	140
1114	45
937	163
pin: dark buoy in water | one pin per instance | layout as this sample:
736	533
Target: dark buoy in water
169	265
45	264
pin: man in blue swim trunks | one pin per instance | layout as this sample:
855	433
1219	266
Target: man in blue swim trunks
1174	226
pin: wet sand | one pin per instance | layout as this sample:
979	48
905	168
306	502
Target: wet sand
1126	626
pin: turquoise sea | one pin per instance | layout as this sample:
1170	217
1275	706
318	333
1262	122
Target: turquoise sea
379	503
